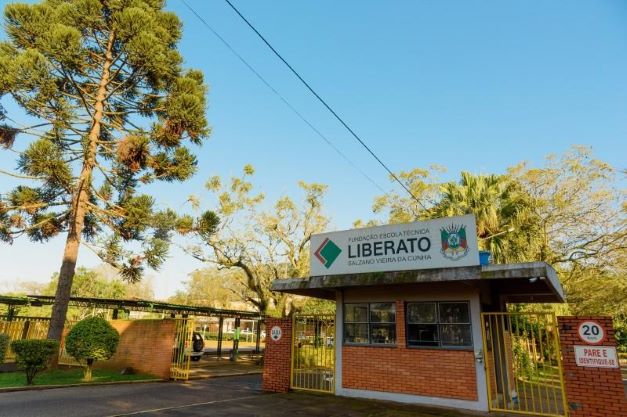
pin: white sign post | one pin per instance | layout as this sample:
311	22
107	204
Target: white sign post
440	243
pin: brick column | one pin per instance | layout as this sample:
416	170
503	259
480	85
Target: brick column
278	356
591	392
400	324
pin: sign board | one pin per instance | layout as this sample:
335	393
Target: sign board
591	332
596	356
440	243
276	333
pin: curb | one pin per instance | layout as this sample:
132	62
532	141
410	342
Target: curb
195	378
86	384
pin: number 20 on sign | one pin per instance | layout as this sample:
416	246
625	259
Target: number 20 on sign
591	332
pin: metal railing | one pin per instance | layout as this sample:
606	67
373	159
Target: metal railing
313	353
180	364
523	363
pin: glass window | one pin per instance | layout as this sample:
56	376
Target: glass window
422	335
441	324
453	312
421	313
356	313
456	335
383	313
373	323
356	333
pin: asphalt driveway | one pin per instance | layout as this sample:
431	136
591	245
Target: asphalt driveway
232	396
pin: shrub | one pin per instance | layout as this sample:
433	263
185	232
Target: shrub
90	340
34	355
4	344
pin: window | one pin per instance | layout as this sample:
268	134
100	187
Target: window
439	324
373	323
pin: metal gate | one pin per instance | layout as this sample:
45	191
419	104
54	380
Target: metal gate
179	368
523	363
313	353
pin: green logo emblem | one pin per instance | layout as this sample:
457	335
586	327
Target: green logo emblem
328	252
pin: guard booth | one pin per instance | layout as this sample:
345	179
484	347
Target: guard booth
420	319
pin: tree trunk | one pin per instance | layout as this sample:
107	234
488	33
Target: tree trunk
87	370
79	205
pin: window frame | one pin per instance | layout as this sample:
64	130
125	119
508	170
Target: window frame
438	325
369	323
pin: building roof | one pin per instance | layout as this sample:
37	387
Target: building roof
517	283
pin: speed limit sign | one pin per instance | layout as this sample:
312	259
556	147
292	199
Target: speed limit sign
591	332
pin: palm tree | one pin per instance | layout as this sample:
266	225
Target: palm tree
504	221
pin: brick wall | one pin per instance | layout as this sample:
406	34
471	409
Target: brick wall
145	345
277	356
426	372
591	392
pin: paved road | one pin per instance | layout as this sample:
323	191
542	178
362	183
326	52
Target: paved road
228	397
109	400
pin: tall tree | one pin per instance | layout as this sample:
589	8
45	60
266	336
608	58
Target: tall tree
505	223
569	212
581	211
113	110
263	245
211	287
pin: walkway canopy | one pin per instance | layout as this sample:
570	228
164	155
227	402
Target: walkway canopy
533	282
131	305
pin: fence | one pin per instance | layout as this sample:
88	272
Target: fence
313	353
20	328
180	363
523	360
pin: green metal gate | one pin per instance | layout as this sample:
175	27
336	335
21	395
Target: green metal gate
313	353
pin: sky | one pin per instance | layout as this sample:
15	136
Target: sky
473	85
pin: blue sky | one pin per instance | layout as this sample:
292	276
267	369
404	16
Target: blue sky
472	85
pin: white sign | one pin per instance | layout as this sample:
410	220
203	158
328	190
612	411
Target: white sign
596	356
440	243
276	333
591	332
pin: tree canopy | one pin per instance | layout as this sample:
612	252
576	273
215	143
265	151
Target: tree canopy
570	212
260	245
92	339
113	109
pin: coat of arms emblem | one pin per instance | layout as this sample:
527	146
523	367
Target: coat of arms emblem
454	243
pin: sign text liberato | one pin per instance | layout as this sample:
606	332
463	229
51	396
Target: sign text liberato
439	243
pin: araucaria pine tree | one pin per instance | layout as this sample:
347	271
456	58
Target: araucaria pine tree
113	110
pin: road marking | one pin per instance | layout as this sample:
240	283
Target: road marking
154	410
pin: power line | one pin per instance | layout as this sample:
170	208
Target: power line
282	98
324	103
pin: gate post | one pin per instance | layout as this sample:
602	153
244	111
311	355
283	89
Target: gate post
277	358
594	387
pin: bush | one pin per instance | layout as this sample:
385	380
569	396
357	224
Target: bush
34	355
4	344
92	339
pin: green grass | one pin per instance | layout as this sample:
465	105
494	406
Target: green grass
66	377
